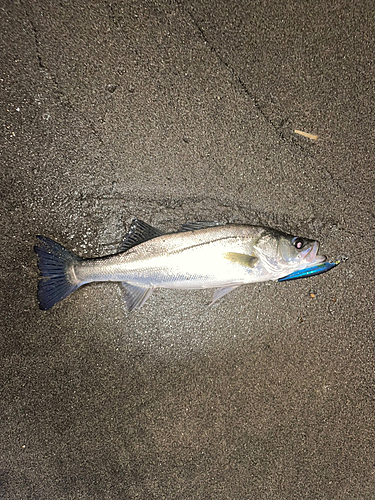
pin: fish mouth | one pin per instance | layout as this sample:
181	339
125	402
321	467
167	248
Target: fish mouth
310	255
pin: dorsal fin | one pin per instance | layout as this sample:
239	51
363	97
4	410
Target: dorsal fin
193	226
138	233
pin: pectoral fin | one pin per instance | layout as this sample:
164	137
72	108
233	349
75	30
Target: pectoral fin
135	296
220	292
242	259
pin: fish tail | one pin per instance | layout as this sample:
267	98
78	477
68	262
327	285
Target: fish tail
54	262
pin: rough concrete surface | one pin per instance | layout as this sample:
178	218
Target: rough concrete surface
176	111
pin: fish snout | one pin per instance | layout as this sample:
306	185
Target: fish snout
310	254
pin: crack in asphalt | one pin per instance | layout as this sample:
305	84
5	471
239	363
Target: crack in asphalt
243	86
241	83
64	100
234	74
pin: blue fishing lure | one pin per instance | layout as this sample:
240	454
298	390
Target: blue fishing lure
310	271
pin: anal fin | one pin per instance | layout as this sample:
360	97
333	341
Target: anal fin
135	296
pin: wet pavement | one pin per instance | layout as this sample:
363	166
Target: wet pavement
175	112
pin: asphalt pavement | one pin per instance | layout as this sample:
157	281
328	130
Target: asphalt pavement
175	112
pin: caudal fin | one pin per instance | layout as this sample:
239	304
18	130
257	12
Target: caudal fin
53	261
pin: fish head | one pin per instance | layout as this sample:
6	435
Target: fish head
282	254
298	253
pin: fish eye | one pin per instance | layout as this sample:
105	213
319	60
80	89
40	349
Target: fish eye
298	243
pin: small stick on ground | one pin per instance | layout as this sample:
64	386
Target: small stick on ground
306	134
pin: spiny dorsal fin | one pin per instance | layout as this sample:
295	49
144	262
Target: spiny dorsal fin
138	233
193	226
241	258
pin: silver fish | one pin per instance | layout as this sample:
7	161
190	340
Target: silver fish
199	255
